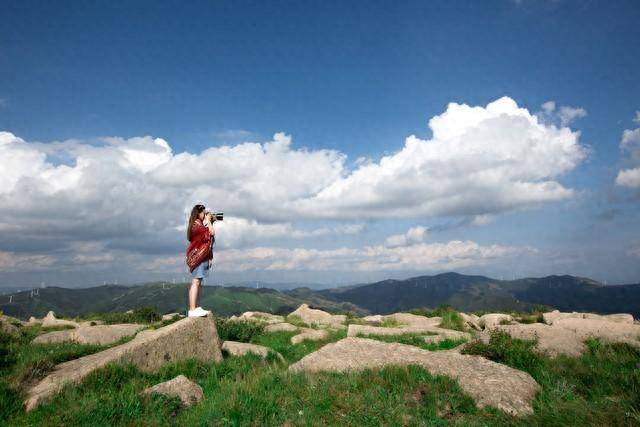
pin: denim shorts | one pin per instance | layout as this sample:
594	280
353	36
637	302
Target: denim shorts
201	271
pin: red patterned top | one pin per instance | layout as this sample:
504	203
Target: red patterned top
200	248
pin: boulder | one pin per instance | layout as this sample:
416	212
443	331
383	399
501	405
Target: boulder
189	392
604	329
551	341
100	334
261	316
34	321
189	338
375	320
550	317
311	316
310	335
364	330
489	383
471	320
6	325
170	316
51	320
492	320
281	327
409	319
234	348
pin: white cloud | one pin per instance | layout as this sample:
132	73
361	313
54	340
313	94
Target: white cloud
413	236
134	194
637	117
630	145
565	115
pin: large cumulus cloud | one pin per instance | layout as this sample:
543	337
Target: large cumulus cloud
129	197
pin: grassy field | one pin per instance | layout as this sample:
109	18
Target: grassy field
600	388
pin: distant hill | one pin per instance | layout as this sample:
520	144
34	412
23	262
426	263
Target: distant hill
165	298
470	293
464	292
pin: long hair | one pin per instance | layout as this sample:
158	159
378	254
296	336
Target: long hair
192	218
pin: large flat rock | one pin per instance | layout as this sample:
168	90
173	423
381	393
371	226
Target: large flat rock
234	348
100	334
489	383
189	338
181	387
550	317
312	316
50	320
364	330
551	341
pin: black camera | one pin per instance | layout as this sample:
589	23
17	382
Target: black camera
217	215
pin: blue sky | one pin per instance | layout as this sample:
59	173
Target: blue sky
354	77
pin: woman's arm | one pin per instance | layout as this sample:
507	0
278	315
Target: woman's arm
209	224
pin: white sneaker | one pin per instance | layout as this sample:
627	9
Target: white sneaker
198	312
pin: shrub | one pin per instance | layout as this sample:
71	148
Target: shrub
238	330
138	315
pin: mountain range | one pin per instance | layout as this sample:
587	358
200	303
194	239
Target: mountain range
464	292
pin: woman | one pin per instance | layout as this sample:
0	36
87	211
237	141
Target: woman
199	255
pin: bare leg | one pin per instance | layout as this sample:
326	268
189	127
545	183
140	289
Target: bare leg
193	293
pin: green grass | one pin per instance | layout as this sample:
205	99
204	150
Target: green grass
602	388
390	322
296	320
452	320
416	340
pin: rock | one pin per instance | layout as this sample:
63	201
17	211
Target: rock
448	335
261	316
189	392
189	338
34	321
550	317
604	329
128	312
6	326
489	383
312	316
492	320
551	341
50	320
375	320
170	316
363	330
414	320
89	323
241	348
471	320
310	335
100	334
281	327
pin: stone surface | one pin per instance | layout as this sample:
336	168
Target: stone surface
364	330
261	316
492	320
51	320
374	320
6	325
311	316
310	335
182	387
234	348
567	336
552	341
409	319
100	334
281	327
489	383
170	316
552	316
189	338
471	320
34	321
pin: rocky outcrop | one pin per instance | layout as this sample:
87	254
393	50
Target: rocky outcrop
34	321
50	320
374	320
471	320
261	316
491	320
311	316
281	327
408	319
234	348
550	317
7	326
170	316
189	338
310	335
567	336
186	390
100	334
489	383
365	330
